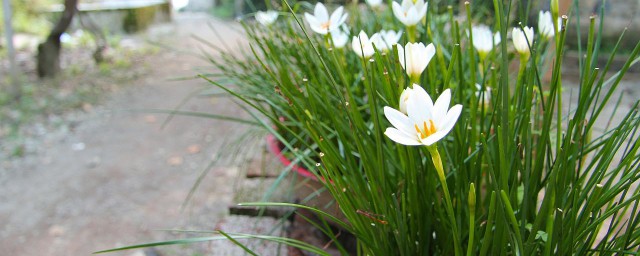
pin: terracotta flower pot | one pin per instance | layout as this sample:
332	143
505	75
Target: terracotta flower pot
308	187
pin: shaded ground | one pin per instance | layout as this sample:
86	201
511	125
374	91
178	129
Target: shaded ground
116	177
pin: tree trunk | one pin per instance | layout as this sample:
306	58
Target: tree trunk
49	51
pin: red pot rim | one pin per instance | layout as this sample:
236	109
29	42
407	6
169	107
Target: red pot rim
274	146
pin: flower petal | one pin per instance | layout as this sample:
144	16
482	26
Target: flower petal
362	45
412	17
433	138
321	13
401	56
340	21
412	52
445	127
420	105
336	16
406	4
441	106
399	137
311	19
318	29
399	121
423	9
429	52
450	119
397	11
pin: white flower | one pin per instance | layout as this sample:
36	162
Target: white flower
390	38
484	39
339	37
322	23
415	57
374	3
376	40
425	123
363	45
522	39
545	24
485	94
266	18
404	98
410	12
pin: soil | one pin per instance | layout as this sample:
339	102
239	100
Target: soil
117	176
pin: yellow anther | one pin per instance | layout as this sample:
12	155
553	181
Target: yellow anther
427	129
433	127
418	130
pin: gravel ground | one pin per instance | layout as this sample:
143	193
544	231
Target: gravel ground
117	177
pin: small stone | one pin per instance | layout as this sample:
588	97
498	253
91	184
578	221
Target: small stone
94	162
78	146
87	107
150	119
57	230
194	149
138	253
175	160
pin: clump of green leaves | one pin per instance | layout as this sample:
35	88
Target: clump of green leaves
526	175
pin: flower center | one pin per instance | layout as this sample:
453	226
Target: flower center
325	25
427	129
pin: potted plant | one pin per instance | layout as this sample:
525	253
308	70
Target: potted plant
427	140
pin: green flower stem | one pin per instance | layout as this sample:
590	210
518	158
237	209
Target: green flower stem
559	109
520	80
549	224
481	58
415	79
411	33
441	62
437	162
472	58
327	40
472	218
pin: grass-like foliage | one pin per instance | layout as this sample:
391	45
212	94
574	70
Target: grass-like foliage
515	172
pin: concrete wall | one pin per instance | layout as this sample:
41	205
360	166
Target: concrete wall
116	17
200	5
619	14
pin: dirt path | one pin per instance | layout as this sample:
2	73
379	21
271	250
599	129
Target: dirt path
117	177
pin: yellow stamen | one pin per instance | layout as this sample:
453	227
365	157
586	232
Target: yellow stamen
427	130
433	127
